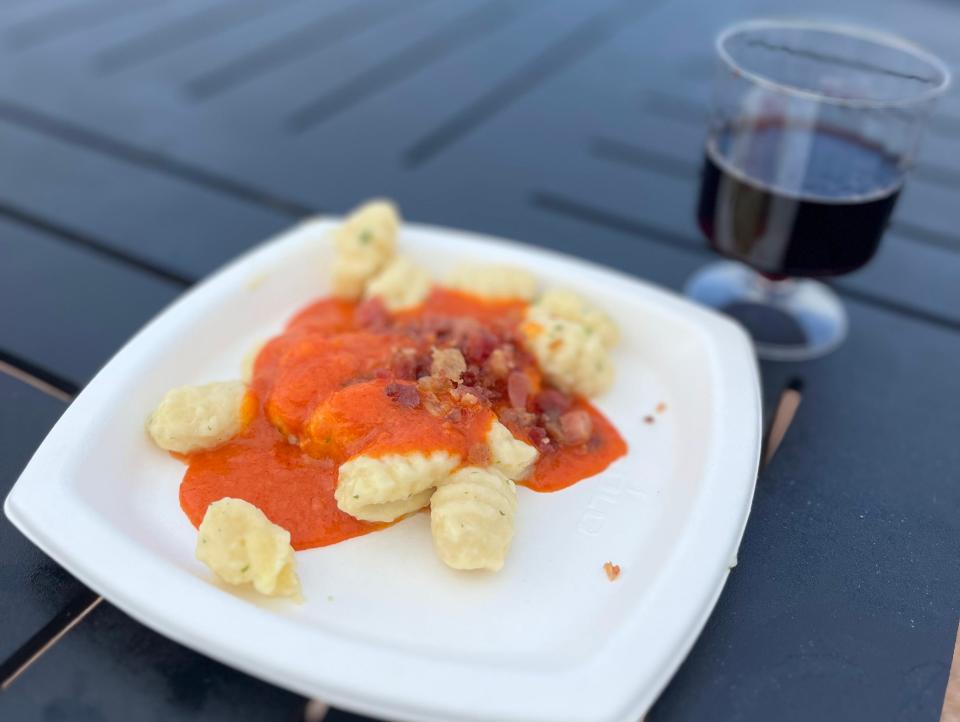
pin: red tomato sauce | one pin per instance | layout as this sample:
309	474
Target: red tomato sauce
569	464
349	378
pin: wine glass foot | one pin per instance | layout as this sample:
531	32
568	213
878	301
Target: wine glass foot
789	320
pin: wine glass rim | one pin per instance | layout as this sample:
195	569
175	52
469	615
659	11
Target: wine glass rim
879	37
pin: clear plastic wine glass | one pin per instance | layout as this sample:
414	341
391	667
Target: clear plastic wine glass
814	127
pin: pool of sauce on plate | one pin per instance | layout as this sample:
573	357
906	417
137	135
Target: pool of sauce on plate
329	388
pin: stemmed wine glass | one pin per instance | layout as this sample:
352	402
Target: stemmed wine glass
813	129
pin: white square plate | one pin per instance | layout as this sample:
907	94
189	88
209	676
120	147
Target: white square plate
387	630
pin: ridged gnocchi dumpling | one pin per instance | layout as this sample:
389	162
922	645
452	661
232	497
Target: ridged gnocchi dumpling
472	516
191	418
571	357
494	282
365	243
400	285
510	456
384	488
568	305
242	546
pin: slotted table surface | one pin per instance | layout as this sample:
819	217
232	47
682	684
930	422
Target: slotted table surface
146	142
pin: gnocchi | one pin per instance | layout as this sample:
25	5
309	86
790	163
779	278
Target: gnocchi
568	305
571	358
242	546
191	418
400	285
472	516
510	456
385	488
494	282
365	243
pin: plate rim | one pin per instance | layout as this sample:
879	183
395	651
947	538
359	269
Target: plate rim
34	514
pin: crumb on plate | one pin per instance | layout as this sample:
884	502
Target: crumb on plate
648	419
661	407
612	570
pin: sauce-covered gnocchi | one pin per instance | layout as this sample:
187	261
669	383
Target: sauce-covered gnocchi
397	395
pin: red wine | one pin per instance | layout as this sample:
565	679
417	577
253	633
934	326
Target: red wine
842	190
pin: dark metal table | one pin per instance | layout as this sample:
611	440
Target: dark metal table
145	143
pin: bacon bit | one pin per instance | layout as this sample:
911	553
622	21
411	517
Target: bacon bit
423	366
538	437
612	570
575	427
433	384
447	363
479	455
450	331
405	395
455	415
478	391
403	364
553	429
518	417
478	345
661	407
552	402
372	314
518	389
470	376
431	389
648	419
433	406
500	363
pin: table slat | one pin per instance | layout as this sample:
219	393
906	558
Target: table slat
66	309
186	228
